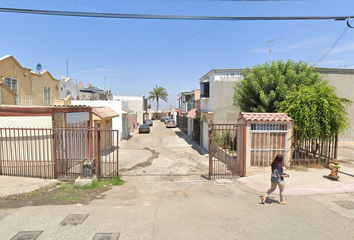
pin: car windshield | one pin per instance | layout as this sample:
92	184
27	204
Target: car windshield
144	126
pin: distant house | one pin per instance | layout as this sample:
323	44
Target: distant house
119	123
216	100
68	87
190	103
188	100
136	104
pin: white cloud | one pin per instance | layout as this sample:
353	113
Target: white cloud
344	48
310	42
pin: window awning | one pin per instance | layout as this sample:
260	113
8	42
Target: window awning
192	113
104	112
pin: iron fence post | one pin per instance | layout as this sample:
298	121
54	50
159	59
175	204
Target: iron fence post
210	149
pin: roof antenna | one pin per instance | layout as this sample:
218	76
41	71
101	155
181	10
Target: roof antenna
271	45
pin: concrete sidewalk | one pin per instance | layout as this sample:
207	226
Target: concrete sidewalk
20	185
314	181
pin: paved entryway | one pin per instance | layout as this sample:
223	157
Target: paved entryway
164	152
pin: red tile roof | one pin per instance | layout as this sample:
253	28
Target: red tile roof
104	112
265	117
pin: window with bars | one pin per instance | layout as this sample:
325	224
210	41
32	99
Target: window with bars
46	96
268	127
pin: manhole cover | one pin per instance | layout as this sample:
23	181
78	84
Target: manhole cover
106	236
346	204
27	235
74	219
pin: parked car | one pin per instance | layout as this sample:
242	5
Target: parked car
149	122
144	128
171	123
166	119
162	119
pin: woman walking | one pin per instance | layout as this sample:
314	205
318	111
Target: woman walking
277	169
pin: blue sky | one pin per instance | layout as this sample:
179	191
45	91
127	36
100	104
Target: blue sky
136	55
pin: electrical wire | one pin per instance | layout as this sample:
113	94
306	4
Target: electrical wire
166	17
334	44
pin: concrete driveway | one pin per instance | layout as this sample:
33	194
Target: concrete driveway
164	152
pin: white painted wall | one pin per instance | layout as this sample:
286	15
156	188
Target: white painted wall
217	75
205	127
66	85
39	122
135	104
115	105
190	127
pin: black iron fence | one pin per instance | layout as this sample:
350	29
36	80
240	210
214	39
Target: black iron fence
313	150
60	152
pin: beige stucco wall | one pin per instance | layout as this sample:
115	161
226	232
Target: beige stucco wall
7	96
9	67
224	111
41	81
343	80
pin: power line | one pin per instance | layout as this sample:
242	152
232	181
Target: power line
335	43
165	17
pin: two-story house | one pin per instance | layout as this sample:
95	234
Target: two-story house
25	87
216	100
45	88
189	102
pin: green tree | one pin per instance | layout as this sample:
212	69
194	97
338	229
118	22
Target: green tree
317	110
157	94
265	86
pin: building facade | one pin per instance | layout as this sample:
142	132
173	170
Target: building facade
216	100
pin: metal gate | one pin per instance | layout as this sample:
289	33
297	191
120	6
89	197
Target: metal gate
226	151
60	152
267	140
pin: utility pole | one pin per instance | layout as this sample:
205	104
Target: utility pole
67	68
271	45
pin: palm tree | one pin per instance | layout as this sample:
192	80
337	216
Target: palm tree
158	93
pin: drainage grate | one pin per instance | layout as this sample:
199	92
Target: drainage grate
27	235
74	219
346	204
106	236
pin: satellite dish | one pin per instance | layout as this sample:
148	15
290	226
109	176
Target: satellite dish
62	77
39	67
